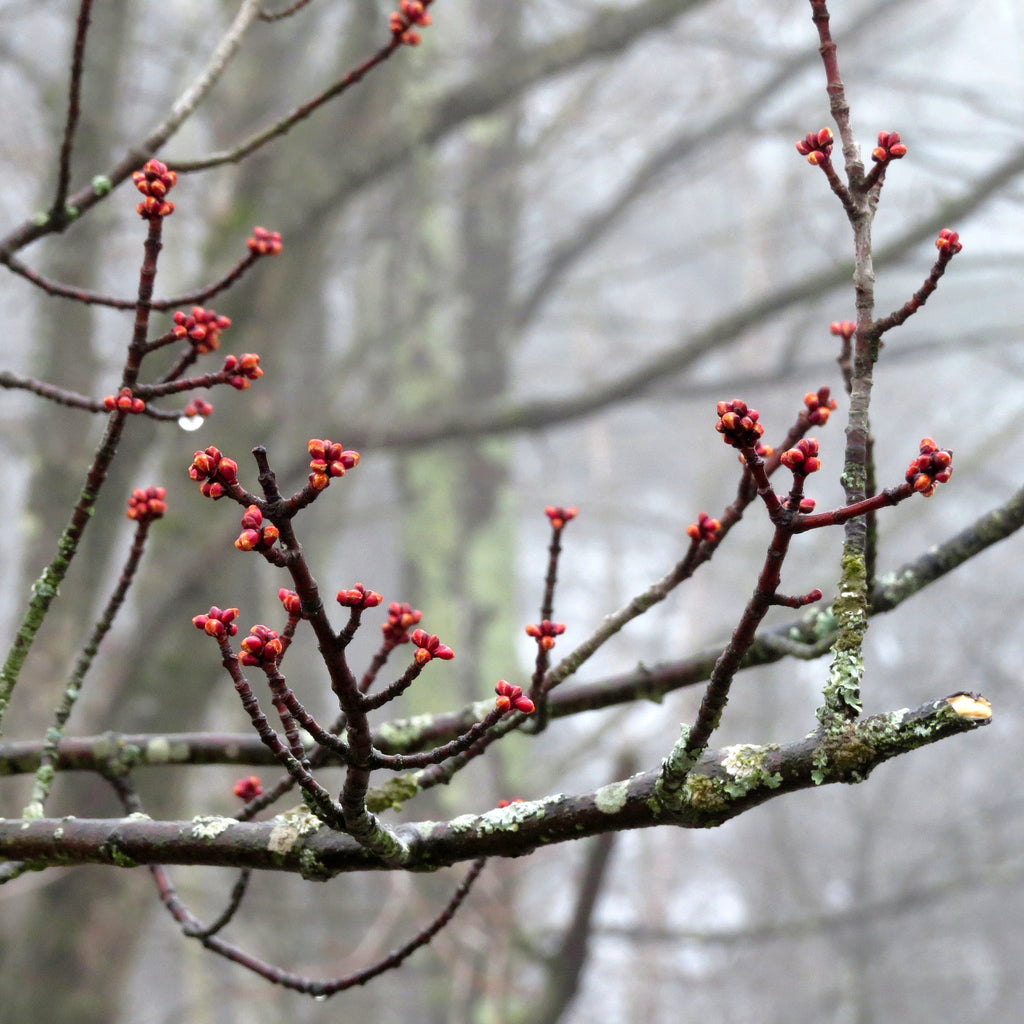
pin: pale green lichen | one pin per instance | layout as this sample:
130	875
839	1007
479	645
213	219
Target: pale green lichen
854	477
125	759
819	773
311	867
210	826
158	750
824	623
118	857
139	816
883	730
463	823
511	816
705	793
34	811
848	754
405	733
819	624
291	826
743	770
105	747
746	769
101	185
161	751
378	839
842	691
393	793
612	798
500	819
674	772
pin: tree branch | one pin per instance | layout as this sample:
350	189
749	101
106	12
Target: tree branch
724	784
126	751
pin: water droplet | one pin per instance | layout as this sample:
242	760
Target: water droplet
191	422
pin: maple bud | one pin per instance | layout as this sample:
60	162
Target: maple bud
145	505
705	529
261	648
816	146
264	243
738	424
512	698
933	466
217	622
124	401
248	788
357	596
429	647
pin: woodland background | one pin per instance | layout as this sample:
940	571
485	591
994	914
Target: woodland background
522	262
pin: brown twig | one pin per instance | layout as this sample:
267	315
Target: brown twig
286	13
58	210
91	298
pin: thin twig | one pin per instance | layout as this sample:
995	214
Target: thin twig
49	754
57	210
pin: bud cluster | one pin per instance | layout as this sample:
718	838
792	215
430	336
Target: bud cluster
803	458
705	528
512	698
330	459
248	788
256	535
202	327
559	516
844	329
948	242
358	596
932	467
242	369
264	243
890	147
429	647
400	618
154	181
213	472
545	632
124	401
198	407
261	648
290	601
147	504
217	622
738	424
816	146
409	13
819	406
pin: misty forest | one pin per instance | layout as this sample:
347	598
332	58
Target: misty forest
510	516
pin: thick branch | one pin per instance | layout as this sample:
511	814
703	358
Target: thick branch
723	785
